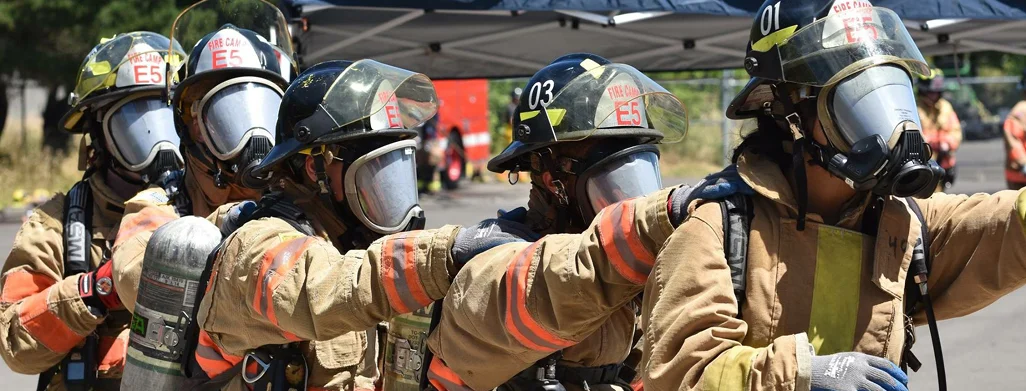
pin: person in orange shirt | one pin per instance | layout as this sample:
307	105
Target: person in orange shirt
941	127
1015	137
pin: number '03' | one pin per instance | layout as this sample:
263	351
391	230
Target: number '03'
534	97
770	19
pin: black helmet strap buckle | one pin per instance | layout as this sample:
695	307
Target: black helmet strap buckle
321	155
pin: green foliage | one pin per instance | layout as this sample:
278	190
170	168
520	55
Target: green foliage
46	40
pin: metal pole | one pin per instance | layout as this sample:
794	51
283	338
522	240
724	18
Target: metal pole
725	98
24	125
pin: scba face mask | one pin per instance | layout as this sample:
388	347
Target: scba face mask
381	189
237	122
629	173
870	119
140	134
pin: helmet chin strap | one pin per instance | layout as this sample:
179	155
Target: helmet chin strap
801	141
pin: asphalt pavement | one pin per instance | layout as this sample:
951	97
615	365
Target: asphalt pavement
981	351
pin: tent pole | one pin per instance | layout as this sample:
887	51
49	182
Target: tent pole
725	98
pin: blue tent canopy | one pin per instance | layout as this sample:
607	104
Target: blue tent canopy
504	38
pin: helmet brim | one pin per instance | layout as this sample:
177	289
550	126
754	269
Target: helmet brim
292	146
508	159
743	106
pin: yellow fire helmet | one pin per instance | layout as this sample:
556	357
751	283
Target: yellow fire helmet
126	64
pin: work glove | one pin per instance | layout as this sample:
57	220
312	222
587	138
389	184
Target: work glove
473	240
173	184
237	215
851	371
715	186
96	288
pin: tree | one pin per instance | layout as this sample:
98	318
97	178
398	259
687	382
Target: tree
46	40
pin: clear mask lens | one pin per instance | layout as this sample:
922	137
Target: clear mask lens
137	129
381	187
622	177
236	111
876	101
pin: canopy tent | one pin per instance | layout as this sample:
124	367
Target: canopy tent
505	38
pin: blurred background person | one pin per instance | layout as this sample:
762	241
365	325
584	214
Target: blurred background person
941	127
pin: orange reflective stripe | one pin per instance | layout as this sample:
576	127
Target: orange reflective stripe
443	378
519	322
211	359
622	242
147	220
638	385
399	275
21	283
112	352
44	325
276	263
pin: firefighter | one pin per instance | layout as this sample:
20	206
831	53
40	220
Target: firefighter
941	127
1015	139
815	296
342	176
226	108
61	317
585	132
844	255
225	112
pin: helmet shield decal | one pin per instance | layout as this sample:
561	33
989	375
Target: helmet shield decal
604	97
228	50
846	42
127	60
390	97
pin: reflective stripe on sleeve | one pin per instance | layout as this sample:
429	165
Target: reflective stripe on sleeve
729	371
211	359
621	241
43	324
519	322
19	284
276	263
112	352
399	275
443	378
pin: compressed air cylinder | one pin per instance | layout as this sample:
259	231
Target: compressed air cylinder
405	347
174	260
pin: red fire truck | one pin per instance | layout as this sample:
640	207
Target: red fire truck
459	144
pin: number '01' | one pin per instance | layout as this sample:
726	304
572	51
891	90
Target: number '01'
770	20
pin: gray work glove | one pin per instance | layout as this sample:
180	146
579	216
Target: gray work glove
237	215
715	186
473	240
851	371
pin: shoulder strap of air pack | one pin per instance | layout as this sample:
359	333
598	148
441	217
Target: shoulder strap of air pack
77	237
737	217
78	216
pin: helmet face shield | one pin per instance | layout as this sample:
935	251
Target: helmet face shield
127	60
137	128
237	110
263	18
606	96
386	96
632	172
381	187
845	42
